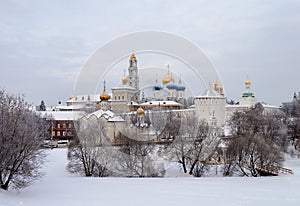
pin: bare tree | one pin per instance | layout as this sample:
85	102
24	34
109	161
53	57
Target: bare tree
135	156
158	120
21	134
42	106
258	138
249	155
192	146
254	121
89	154
293	125
136	160
172	125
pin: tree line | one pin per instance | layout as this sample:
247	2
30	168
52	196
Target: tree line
256	147
258	140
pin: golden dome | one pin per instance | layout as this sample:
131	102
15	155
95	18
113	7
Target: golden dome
124	80
132	57
140	111
216	85
166	80
247	83
104	97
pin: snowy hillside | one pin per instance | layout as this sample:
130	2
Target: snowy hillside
60	188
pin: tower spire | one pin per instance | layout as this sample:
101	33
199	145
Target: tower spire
104	87
124	79
248	84
179	82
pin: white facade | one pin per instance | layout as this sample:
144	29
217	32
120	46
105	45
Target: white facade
121	97
84	99
133	77
211	106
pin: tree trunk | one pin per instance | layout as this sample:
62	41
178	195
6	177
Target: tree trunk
193	166
5	186
183	165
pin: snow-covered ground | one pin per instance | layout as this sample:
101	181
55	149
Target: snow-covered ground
60	188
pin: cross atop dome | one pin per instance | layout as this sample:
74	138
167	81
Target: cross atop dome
104	96
167	78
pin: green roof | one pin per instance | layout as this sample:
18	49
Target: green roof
248	94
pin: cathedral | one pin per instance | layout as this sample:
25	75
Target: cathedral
127	98
126	103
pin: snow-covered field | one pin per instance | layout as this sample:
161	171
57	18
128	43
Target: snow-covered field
60	188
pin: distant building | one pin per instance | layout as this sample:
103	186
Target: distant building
125	104
248	100
62	123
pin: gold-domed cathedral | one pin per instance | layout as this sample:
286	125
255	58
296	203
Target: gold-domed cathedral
128	94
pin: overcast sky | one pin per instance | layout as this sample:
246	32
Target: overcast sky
44	44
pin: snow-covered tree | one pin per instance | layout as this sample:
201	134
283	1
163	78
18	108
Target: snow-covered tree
136	160
258	138
248	155
135	156
192	146
89	155
21	134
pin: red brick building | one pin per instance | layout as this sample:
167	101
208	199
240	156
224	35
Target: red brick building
62	123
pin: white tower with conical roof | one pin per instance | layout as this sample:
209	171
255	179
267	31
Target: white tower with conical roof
209	106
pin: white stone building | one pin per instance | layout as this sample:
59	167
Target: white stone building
210	106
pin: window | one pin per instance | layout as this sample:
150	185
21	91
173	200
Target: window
58	133
82	98
122	97
64	133
53	133
64	125
70	125
58	126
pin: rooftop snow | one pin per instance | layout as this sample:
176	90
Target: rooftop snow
61	115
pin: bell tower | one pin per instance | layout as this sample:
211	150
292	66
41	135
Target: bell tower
133	77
